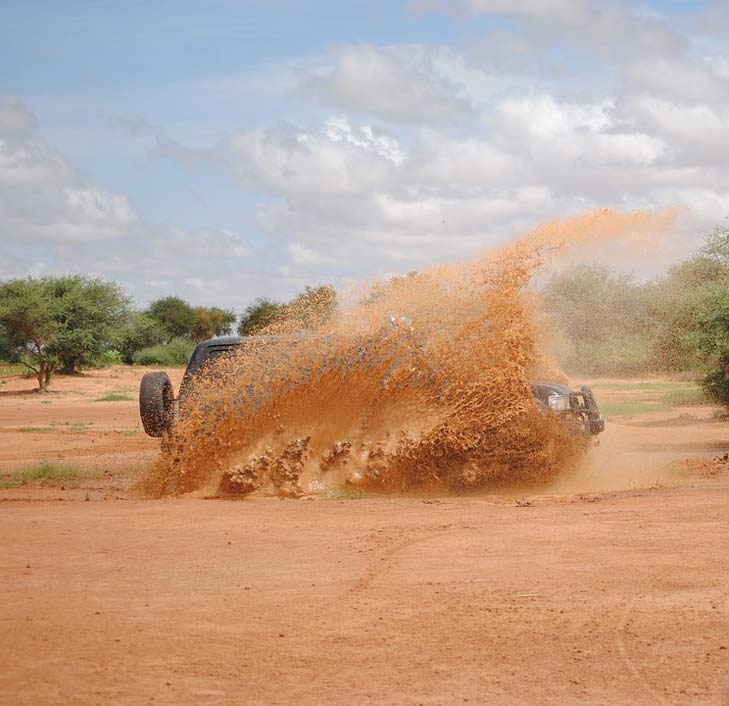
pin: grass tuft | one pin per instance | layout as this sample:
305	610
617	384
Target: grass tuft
114	397
345	494
12	369
44	473
58	427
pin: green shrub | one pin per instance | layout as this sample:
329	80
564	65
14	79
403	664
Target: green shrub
142	331
8	369
176	352
110	357
619	356
604	317
716	386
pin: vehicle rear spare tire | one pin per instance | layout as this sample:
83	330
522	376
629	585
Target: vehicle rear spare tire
156	399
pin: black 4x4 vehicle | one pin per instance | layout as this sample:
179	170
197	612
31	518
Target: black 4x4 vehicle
160	409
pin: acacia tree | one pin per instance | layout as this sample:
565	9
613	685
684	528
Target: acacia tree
28	327
312	308
605	316
260	314
180	320
140	330
211	321
90	315
175	315
707	334
679	303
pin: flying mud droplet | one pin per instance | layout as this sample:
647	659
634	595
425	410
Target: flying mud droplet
280	472
422	382
337	456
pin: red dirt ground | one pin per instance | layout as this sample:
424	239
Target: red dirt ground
608	588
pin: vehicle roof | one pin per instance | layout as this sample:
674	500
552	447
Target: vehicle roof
221	341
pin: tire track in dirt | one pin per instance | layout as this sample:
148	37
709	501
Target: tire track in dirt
383	561
621	627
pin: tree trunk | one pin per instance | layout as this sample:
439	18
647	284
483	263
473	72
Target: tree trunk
69	366
49	372
42	381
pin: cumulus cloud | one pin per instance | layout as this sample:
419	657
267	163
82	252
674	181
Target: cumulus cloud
642	124
205	267
467	150
353	200
412	154
714	18
41	196
350	198
399	83
47	211
337	161
579	29
565	10
578	134
223	243
698	134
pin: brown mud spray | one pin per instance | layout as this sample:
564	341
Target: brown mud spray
422	384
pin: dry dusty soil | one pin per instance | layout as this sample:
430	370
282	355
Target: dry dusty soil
610	587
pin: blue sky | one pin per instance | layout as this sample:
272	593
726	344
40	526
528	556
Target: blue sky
227	150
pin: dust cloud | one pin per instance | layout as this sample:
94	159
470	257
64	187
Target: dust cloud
422	384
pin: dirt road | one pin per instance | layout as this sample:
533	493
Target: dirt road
386	601
578	594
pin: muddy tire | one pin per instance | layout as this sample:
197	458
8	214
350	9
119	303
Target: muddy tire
156	399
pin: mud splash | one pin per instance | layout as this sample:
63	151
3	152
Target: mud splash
424	383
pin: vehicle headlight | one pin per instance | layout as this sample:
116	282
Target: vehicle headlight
559	403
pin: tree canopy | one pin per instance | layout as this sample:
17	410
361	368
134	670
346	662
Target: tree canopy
257	316
178	319
604	316
28	328
211	322
90	315
313	307
678	322
610	323
174	315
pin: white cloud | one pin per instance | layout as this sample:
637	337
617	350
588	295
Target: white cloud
558	9
42	198
366	138
412	154
700	133
680	80
575	133
401	84
205	267
714	18
47	211
348	199
336	161
16	121
606	31
207	244
467	162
